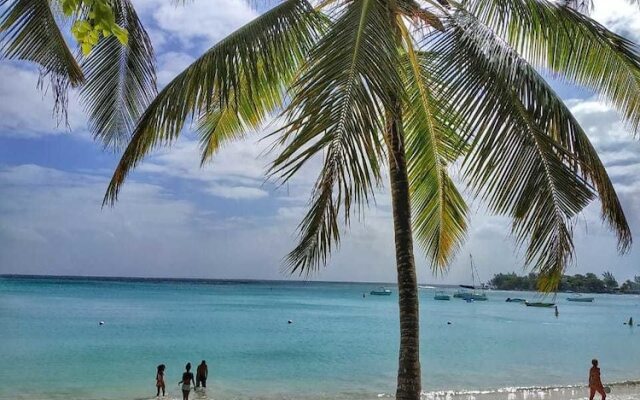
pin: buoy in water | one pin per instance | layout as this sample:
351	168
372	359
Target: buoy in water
289	322
101	323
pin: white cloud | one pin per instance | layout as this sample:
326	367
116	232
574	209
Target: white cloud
615	144
238	170
201	24
52	222
26	111
171	64
237	192
241	161
621	16
59	228
30	175
158	38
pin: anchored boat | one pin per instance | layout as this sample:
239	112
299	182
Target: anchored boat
467	295
580	299
381	291
474	296
440	295
515	300
539	304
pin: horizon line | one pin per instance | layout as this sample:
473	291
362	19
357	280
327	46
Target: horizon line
201	280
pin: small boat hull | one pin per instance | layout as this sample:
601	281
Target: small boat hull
539	304
441	295
471	296
581	299
381	291
516	300
464	295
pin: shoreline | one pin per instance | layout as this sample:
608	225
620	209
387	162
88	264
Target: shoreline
624	390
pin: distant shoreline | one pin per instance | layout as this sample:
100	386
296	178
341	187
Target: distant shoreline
222	281
565	292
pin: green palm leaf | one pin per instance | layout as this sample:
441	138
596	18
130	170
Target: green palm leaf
529	159
337	109
224	124
432	142
264	51
564	41
29	32
121	79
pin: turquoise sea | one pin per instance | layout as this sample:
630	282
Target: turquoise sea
338	346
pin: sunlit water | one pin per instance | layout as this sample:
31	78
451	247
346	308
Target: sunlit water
339	346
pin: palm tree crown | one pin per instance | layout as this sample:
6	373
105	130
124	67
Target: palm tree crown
470	91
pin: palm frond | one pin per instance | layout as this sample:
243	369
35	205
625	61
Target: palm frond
121	79
338	109
529	158
570	44
439	212
558	121
419	15
265	50
28	31
581	6
227	123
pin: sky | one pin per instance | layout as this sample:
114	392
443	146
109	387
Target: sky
226	221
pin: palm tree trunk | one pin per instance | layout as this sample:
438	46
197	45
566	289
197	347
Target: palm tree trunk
409	386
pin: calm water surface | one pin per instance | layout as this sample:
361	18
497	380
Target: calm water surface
340	345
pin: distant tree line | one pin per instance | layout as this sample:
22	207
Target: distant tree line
588	283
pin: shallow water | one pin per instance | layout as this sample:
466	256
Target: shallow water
339	345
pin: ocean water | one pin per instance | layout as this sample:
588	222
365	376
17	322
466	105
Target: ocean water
339	346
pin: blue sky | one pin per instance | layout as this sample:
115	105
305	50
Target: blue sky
175	219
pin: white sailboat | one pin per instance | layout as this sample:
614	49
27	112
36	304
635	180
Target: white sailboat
473	295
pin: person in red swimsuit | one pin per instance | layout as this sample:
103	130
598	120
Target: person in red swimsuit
595	384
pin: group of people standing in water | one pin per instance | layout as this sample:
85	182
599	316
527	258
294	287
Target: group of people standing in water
188	381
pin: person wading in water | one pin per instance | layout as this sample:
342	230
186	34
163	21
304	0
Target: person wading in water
201	374
160	380
595	384
187	381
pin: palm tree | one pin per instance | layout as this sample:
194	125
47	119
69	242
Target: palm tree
415	88
610	281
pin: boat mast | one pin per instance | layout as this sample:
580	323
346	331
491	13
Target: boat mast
473	277
474	274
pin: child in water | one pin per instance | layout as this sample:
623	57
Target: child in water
160	380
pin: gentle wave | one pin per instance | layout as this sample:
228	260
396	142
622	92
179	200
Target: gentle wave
626	390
